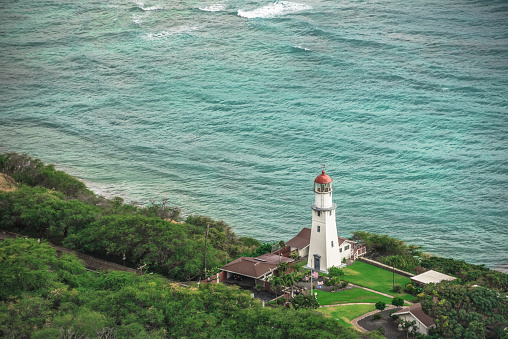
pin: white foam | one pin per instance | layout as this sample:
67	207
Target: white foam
137	19
147	9
166	34
213	8
273	10
302	48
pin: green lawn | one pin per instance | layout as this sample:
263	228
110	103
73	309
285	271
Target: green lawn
300	264
346	313
376	278
353	295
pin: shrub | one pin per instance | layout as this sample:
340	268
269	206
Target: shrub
281	300
397	289
409	288
332	281
381	330
335	272
344	284
376	316
398	301
380	305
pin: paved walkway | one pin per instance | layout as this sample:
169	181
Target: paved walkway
335	305
381	293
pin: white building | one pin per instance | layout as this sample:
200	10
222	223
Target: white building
423	322
324	245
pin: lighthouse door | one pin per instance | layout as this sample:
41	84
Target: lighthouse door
317	258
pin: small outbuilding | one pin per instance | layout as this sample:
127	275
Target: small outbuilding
415	313
431	277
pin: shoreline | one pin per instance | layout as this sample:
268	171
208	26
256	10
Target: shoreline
110	191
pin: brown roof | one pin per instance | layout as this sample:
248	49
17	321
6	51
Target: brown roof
301	240
255	267
417	312
274	258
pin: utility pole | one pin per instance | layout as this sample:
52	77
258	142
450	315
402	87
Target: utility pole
393	271
311	271
206	241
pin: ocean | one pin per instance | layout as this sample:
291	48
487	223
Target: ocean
230	108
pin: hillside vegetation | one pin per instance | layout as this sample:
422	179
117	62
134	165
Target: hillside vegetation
45	296
54	205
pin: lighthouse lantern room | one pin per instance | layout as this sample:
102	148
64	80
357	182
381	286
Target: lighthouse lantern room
324	246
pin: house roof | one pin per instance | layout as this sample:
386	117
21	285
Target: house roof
431	277
255	267
274	258
301	240
417	312
341	240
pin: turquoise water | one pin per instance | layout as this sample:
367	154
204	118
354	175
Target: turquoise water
229	108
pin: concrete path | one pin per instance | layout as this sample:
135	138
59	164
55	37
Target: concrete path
334	305
381	293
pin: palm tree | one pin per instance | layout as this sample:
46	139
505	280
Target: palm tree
275	282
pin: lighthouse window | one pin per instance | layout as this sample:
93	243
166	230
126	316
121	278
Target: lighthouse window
318	213
330	212
319	228
332	243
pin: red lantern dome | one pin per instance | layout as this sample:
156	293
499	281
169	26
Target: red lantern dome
323	179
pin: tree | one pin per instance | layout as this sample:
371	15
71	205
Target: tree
380	305
398	301
282	267
304	301
275	282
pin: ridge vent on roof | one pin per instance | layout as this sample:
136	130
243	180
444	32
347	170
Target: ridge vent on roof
260	259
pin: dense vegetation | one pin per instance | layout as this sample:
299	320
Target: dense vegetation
473	306
51	204
410	258
45	296
466	311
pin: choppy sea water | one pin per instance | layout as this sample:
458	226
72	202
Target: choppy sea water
229	108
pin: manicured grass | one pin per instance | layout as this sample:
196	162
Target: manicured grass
376	278
345	313
353	295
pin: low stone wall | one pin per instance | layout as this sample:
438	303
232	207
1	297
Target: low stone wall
386	267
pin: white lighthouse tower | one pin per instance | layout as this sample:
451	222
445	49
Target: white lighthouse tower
324	245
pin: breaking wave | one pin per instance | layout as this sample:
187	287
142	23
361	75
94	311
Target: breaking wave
273	10
213	8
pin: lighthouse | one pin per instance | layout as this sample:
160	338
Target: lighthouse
324	245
